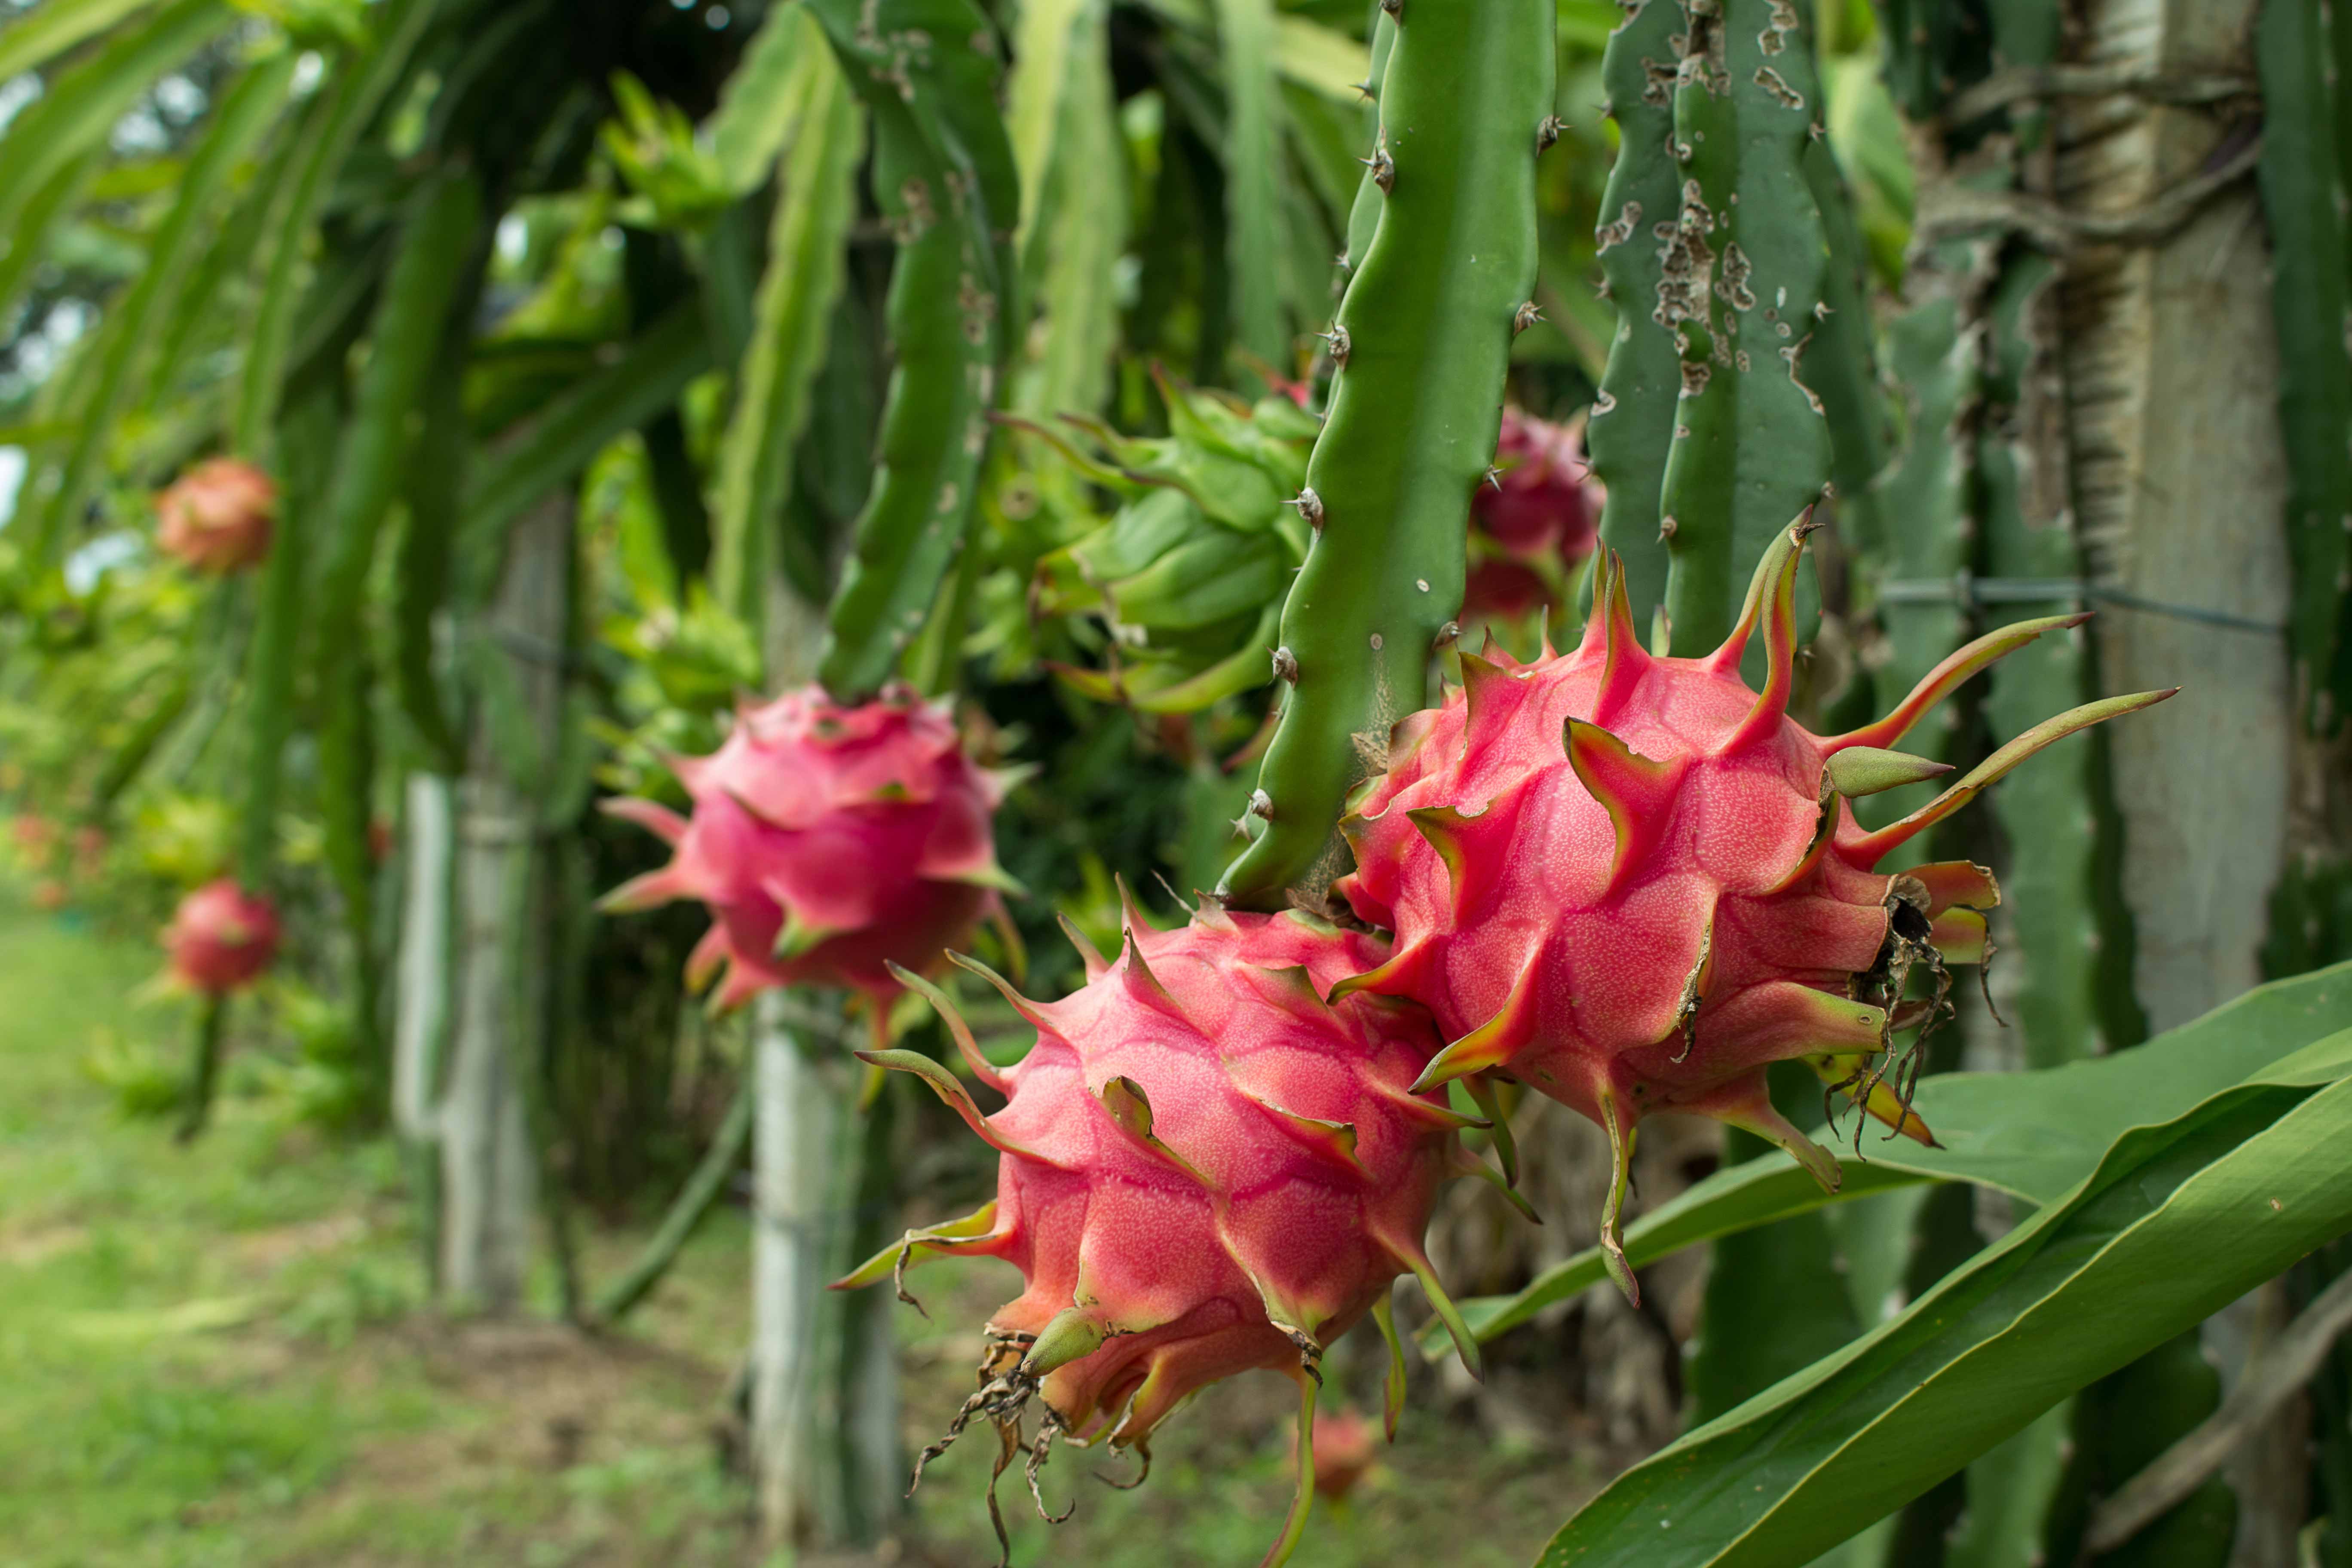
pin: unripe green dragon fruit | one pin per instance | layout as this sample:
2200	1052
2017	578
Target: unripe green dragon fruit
1188	576
830	842
1632	882
1206	1168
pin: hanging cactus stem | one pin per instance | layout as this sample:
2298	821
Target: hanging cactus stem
1412	418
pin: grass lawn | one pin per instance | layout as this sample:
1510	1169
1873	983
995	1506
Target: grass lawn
222	1355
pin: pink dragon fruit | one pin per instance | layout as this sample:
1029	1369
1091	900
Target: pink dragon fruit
1631	882
1540	517
221	938
1343	1453
1206	1169
219	517
830	843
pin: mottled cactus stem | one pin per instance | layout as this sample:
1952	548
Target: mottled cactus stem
943	176
1416	401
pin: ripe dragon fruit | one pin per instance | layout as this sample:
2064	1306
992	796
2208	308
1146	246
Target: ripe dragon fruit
1206	1168
221	938
1631	882
219	517
1540	517
830	842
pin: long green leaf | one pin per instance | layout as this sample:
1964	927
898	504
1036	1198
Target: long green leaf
49	29
73	117
793	316
132	319
341	110
275	656
2032	1135
2178	1220
756	109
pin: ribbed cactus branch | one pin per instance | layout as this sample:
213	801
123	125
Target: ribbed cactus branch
1414	412
943	176
1633	421
2303	187
1741	286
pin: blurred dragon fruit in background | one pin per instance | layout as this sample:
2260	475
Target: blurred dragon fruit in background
218	518
1532	524
221	938
830	842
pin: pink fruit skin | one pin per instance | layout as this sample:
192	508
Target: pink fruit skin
1230	1223
219	517
1543	510
864	832
221	938
1609	877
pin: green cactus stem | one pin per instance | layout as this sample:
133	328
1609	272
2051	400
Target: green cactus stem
1743	271
1632	420
943	174
2302	178
1415	407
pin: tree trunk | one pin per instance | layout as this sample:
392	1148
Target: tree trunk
420	1029
488	1175
2180	483
2181	486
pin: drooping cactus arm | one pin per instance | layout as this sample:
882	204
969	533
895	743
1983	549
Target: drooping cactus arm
943	176
1423	337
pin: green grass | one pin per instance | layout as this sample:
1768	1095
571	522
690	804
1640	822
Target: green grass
221	1356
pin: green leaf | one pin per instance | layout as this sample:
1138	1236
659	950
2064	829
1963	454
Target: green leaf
49	29
72	119
797	296
2033	1135
2176	1220
1319	57
2011	1488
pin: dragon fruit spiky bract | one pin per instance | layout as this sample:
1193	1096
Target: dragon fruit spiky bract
1205	1168
830	842
1630	882
221	938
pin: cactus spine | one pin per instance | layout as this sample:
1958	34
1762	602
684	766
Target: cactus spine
1414	411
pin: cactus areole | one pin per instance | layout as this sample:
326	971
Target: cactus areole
1206	1168
221	938
1632	882
219	517
830	842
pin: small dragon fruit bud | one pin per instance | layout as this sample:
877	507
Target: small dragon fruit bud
1540	517
1633	883
219	517
221	938
1206	1168
830	843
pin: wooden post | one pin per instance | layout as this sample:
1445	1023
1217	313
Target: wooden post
488	1166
